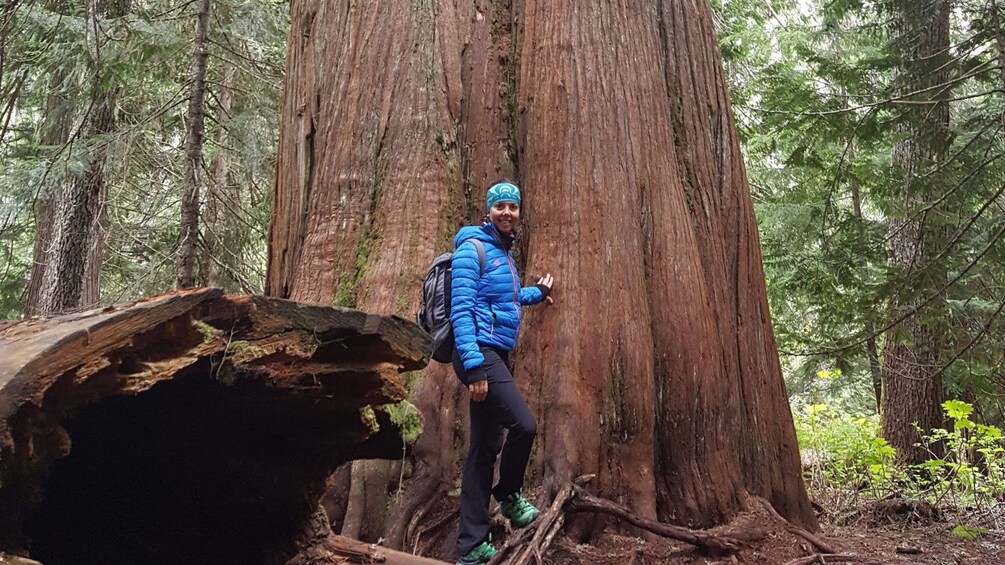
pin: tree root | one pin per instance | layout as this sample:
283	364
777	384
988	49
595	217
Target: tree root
708	543
533	542
820	544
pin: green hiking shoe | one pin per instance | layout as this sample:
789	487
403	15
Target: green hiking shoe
482	553
518	510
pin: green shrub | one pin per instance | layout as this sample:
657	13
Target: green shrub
845	454
841	451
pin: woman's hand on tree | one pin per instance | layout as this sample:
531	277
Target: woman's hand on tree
479	390
547	281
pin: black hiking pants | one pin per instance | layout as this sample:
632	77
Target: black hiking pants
503	409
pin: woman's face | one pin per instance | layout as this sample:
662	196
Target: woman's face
505	216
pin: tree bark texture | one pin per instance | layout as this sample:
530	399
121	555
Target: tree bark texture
912	356
656	367
188	238
198	427
55	136
71	267
70	276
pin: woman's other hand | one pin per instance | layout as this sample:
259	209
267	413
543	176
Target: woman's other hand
479	390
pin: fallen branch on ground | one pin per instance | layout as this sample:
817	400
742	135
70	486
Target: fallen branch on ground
831	558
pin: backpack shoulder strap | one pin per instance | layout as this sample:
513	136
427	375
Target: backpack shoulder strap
481	255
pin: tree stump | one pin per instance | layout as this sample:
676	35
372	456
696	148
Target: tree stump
191	427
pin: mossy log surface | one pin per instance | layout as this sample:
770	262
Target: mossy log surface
191	427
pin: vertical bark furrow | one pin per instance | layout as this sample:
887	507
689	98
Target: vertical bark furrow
598	365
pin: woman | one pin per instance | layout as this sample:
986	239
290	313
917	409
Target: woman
485	310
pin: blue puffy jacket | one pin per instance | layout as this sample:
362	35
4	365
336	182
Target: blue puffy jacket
486	309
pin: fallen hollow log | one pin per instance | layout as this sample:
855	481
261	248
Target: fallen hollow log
189	428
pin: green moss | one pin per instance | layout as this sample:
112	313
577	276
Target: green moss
209	333
408	419
346	295
345	292
241	350
403	305
369	419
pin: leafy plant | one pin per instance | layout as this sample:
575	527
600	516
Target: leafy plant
844	452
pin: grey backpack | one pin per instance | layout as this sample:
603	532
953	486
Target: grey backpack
434	312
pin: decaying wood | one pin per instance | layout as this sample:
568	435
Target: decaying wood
338	549
796	530
268	394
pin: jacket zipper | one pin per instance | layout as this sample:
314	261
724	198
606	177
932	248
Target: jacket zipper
516	284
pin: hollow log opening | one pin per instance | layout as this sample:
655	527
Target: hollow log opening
203	435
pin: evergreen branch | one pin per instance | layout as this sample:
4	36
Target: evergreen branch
912	311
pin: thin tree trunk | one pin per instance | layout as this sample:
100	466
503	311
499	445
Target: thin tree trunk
871	347
188	238
912	379
40	255
223	242
875	367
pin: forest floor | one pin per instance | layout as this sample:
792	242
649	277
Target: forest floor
863	537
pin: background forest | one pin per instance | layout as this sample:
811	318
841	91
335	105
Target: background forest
98	164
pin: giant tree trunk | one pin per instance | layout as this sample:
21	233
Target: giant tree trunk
912	372
656	367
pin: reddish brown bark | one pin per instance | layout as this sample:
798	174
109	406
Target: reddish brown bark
656	367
